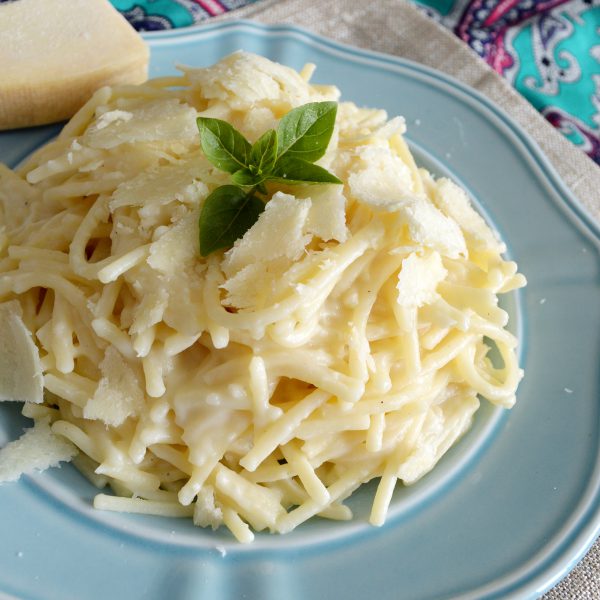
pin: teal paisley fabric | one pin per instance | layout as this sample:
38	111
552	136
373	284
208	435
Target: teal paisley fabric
549	50
153	15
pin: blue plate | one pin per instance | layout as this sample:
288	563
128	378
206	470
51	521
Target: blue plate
505	514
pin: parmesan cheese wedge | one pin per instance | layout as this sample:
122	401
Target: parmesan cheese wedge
20	368
55	55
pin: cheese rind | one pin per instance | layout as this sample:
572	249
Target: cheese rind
55	55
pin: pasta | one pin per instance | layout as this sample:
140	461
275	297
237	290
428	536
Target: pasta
345	337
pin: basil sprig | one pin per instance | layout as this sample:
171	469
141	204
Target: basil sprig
285	155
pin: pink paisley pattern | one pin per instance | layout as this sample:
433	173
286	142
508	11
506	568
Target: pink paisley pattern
484	23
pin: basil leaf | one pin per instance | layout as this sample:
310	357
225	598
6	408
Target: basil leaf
225	216
224	146
264	153
285	155
262	188
295	170
246	177
305	131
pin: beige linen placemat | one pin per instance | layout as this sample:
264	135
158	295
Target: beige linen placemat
397	28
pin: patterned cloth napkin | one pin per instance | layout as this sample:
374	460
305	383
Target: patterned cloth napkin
548	50
153	15
501	31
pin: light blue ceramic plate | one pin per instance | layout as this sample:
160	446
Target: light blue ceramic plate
505	514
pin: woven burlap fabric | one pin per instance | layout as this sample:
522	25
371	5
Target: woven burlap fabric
394	27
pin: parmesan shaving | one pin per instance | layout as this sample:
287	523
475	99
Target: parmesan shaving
36	450
20	367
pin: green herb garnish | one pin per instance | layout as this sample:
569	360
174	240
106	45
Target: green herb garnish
285	156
